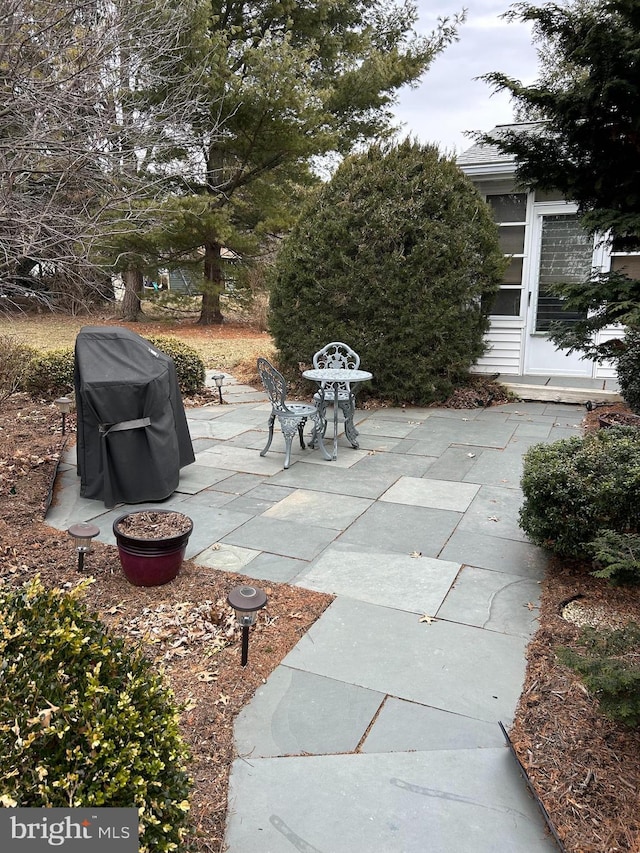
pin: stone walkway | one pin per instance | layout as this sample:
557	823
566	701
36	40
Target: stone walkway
379	731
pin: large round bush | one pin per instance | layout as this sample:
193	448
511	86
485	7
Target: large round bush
577	487
84	721
398	257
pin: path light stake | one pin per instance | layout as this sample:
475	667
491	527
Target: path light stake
246	601
218	378
82	534
64	405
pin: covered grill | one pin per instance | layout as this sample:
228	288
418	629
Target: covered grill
133	437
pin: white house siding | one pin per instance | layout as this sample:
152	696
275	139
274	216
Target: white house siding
505	348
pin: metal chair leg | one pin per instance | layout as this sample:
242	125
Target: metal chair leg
300	432
349	427
272	420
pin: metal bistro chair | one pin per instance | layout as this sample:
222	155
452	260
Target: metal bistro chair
337	354
292	416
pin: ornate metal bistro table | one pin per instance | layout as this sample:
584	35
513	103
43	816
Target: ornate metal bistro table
334	378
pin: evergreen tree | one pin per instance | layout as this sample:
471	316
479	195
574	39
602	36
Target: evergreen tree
398	257
285	82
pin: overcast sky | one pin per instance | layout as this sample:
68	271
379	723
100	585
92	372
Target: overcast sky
449	100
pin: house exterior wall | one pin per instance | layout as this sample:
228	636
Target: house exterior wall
515	346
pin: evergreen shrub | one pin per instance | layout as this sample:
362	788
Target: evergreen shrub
628	368
50	374
616	557
576	487
15	358
189	366
84	720
398	257
610	670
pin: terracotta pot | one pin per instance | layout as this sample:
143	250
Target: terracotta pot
150	562
619	419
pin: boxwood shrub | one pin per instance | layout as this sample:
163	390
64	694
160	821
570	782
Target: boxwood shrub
15	359
189	365
84	720
576	487
50	374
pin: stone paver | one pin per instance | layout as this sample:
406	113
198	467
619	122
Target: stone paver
440	801
393	580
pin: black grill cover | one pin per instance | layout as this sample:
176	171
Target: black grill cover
133	436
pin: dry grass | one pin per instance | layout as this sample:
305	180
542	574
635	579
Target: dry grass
234	345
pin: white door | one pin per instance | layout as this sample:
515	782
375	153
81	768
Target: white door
561	251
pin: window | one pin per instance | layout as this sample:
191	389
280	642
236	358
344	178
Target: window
566	254
510	213
627	264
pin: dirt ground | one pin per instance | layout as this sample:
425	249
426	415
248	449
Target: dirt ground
585	768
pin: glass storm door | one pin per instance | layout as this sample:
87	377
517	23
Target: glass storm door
562	251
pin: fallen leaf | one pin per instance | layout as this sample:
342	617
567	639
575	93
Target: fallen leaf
530	605
207	676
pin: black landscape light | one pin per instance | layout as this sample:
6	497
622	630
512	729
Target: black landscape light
246	601
218	378
64	406
82	534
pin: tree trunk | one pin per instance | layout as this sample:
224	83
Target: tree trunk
131	306
210	314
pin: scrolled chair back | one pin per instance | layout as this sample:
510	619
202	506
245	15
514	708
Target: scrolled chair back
336	355
274	384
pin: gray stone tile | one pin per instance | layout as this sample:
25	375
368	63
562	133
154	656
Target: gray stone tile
494	512
403	726
485	433
336	512
493	600
535	430
238	484
274	567
455	463
391	466
208	497
210	524
298	713
417	584
379	444
500	555
230	458
427	492
404	529
445	665
302	541
387	428
226	558
194	478
497	467
215	428
466	800
333	480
